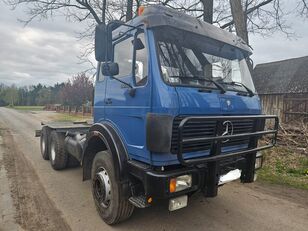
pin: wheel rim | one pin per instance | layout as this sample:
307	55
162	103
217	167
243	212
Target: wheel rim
43	145
102	188
53	152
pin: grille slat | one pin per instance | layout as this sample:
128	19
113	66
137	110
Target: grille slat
204	128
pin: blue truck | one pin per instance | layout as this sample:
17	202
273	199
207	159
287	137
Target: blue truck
175	112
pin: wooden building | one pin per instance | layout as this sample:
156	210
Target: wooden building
283	88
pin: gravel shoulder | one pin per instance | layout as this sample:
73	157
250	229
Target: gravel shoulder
44	199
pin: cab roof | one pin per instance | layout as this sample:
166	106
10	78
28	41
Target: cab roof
158	15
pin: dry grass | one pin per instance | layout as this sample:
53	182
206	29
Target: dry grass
69	117
28	108
287	163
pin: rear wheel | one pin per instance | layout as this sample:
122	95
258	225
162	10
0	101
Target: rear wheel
110	204
44	143
57	154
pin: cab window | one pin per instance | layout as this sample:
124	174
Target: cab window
100	76
123	55
141	65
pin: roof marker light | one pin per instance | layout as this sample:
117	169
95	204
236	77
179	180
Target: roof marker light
140	10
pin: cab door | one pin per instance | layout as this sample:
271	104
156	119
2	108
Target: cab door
125	107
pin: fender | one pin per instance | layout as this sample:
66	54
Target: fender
103	136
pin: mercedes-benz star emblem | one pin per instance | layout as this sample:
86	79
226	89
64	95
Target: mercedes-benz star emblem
228	129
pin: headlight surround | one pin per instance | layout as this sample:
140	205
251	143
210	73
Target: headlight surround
180	183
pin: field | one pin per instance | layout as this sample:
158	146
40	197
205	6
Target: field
28	108
69	117
53	117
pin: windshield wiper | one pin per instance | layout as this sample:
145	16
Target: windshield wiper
250	92
218	85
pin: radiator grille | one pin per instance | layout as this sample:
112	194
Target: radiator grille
204	128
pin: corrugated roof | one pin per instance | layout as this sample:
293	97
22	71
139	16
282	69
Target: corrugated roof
286	76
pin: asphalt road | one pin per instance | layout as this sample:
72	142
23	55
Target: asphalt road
44	199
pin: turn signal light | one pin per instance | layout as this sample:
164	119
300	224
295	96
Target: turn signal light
172	185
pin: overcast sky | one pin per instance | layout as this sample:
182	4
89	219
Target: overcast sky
47	51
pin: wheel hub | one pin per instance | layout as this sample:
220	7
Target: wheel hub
102	188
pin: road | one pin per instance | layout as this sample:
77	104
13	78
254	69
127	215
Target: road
44	199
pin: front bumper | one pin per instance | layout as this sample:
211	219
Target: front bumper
156	182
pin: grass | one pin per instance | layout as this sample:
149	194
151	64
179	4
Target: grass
64	117
59	117
28	108
285	166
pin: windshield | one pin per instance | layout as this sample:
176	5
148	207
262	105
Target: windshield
188	59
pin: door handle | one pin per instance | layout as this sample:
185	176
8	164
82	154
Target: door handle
108	101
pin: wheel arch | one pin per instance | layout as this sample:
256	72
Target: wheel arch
101	137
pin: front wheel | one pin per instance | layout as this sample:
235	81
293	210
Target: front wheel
110	204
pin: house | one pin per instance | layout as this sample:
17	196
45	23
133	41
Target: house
283	88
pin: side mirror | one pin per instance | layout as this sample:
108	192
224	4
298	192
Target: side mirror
138	44
101	43
110	69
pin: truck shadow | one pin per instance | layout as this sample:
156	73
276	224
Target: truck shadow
196	216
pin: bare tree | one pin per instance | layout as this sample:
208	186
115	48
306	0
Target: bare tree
303	8
77	90
262	16
258	16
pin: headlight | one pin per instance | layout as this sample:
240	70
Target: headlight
180	183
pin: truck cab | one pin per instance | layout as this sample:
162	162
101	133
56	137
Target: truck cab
175	112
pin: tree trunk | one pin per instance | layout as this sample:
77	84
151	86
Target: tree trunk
129	10
207	10
240	23
239	18
208	17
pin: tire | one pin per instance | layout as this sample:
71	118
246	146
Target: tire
44	143
57	154
113	208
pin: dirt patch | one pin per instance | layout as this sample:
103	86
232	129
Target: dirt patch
35	210
298	196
